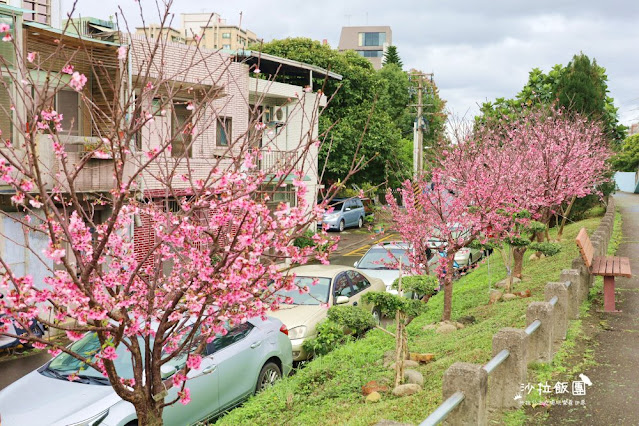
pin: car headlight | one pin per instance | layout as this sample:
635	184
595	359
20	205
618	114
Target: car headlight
92	421
331	216
297	332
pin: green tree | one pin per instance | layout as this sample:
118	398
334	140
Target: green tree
627	159
392	57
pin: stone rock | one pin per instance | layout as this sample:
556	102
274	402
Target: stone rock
413	376
430	327
495	295
459	325
407	389
509	296
533	257
468	319
543	256
502	283
373	386
373	397
407	364
446	328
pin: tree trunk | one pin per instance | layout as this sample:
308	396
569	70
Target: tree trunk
399	349
564	218
518	260
149	414
448	289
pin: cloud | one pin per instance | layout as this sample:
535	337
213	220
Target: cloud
478	49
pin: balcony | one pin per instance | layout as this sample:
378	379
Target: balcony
276	160
96	174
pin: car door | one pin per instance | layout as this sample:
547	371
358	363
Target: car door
350	213
203	385
342	287
238	356
359	283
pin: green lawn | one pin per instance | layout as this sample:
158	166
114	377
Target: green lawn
328	389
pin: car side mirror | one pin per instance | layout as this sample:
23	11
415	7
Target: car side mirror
347	209
355	264
167	371
341	300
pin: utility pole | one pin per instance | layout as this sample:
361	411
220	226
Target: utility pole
418	138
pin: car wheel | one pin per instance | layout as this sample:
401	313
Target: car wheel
269	374
377	315
360	222
341	225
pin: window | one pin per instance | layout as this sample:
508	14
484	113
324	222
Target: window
41	11
5	117
224	131
181	129
233	336
359	281
6	49
226	35
342	286
68	104
370	53
372	39
226	46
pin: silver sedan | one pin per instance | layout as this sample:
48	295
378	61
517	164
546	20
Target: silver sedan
247	359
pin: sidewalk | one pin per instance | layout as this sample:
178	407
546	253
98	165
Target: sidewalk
612	398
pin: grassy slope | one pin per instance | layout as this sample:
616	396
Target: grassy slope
328	390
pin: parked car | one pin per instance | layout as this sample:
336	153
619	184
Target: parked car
335	285
346	212
382	261
467	256
234	366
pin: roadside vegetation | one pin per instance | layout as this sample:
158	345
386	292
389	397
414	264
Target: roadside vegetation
328	389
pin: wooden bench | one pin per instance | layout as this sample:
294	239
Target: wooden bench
609	267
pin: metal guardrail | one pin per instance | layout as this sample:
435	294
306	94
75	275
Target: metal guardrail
455	399
496	361
444	410
532	327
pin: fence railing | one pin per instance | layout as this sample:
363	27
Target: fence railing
469	390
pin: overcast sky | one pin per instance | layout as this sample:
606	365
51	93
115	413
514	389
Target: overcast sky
478	49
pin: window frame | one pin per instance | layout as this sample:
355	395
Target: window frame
187	138
78	122
222	125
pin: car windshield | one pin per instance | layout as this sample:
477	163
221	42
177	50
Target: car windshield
316	295
381	258
89	345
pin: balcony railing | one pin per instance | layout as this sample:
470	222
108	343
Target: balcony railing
276	160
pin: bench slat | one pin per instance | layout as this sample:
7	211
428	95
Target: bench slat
625	267
585	247
617	267
610	263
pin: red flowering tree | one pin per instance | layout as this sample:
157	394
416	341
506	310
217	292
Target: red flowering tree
217	245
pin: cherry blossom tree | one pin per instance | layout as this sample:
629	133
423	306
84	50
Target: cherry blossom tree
218	244
467	194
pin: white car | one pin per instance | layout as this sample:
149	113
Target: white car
249	358
334	285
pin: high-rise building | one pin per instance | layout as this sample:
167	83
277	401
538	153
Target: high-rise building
216	33
43	11
369	41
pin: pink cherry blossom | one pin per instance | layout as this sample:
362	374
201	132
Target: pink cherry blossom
67	69
78	81
193	361
31	56
7	37
185	396
122	53
4	28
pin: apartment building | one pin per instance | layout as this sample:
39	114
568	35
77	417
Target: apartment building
215	32
46	12
368	41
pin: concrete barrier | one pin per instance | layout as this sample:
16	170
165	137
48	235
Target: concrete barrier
560	310
505	383
471	379
540	342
